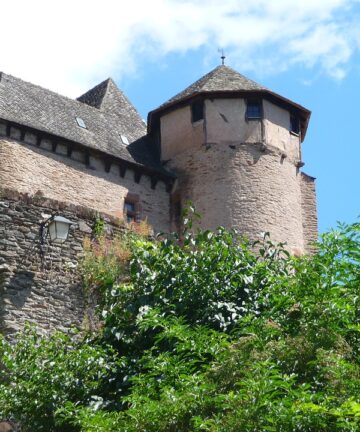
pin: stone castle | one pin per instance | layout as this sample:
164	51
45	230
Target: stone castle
227	144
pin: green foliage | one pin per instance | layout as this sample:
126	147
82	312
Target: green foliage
39	375
99	226
206	334
105	261
211	278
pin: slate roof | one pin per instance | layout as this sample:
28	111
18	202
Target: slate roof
222	78
105	110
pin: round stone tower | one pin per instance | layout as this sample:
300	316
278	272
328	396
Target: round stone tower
235	147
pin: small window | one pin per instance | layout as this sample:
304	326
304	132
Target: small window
131	208
294	125
80	122
253	110
124	139
197	111
130	212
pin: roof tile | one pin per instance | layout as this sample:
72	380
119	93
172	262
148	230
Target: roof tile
106	111
222	78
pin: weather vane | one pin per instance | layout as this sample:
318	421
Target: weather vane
222	56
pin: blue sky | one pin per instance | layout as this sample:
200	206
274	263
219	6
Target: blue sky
308	51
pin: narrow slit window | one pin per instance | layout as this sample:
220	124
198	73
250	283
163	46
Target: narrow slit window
197	111
176	210
130	211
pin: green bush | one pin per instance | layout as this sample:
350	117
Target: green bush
39	375
206	333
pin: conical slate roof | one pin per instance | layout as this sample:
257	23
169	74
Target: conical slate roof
224	81
221	79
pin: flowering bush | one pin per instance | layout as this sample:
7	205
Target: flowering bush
202	334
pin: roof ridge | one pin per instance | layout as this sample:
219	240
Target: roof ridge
97	96
5	75
91	98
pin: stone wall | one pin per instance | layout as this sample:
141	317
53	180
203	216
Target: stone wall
31	169
178	133
277	133
245	186
242	174
46	291
310	224
226	122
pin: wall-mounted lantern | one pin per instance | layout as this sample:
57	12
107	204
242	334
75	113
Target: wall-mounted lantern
59	229
56	227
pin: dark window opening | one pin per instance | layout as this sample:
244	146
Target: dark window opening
131	209
253	110
176	210
294	125
197	111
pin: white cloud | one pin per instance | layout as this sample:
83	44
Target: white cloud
325	45
68	45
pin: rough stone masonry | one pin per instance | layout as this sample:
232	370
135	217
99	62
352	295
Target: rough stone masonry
226	143
46	291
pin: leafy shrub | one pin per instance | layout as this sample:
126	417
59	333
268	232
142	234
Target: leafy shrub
206	334
104	260
98	228
40	375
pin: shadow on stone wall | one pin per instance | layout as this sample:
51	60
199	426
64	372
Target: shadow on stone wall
44	289
20	286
